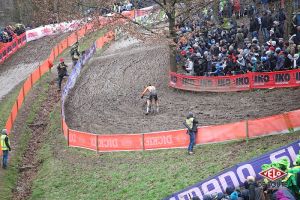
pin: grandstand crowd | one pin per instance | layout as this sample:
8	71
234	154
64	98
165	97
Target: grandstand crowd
9	32
286	188
243	40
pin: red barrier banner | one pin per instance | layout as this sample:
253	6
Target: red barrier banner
44	67
20	98
72	39
268	125
120	142
294	118
14	112
221	133
251	80
99	42
35	75
82	139
65	128
64	44
81	32
27	85
9	124
56	51
166	140
51	57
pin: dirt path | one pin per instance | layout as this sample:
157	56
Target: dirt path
106	98
26	60
29	165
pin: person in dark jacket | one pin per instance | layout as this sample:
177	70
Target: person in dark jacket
5	146
191	124
265	25
75	53
62	72
254	27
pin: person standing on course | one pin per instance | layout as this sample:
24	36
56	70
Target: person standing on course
62	71
152	97
191	124
5	145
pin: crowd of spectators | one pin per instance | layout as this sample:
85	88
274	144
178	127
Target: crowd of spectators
254	43
286	188
9	32
124	6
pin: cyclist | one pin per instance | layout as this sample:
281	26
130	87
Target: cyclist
152	96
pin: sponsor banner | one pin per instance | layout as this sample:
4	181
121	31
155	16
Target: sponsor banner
251	80
237	175
51	29
75	73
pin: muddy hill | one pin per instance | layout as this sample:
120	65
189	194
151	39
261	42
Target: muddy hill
106	98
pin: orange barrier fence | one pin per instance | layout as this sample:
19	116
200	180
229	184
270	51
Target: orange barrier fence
41	70
243	130
282	123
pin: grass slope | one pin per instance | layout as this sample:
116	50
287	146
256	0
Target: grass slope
70	173
10	175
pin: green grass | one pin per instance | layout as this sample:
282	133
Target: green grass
11	174
71	173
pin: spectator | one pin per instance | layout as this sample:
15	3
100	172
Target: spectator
191	124
62	72
75	53
5	145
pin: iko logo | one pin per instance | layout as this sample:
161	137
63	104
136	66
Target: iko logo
272	174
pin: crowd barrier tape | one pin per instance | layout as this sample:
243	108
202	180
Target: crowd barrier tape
251	80
237	175
11	47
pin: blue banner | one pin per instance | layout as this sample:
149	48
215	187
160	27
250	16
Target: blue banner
237	175
75	73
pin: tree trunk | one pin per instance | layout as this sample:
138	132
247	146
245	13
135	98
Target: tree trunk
173	64
289	17
216	10
172	35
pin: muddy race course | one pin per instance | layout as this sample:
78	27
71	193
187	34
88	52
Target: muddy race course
24	61
106	98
